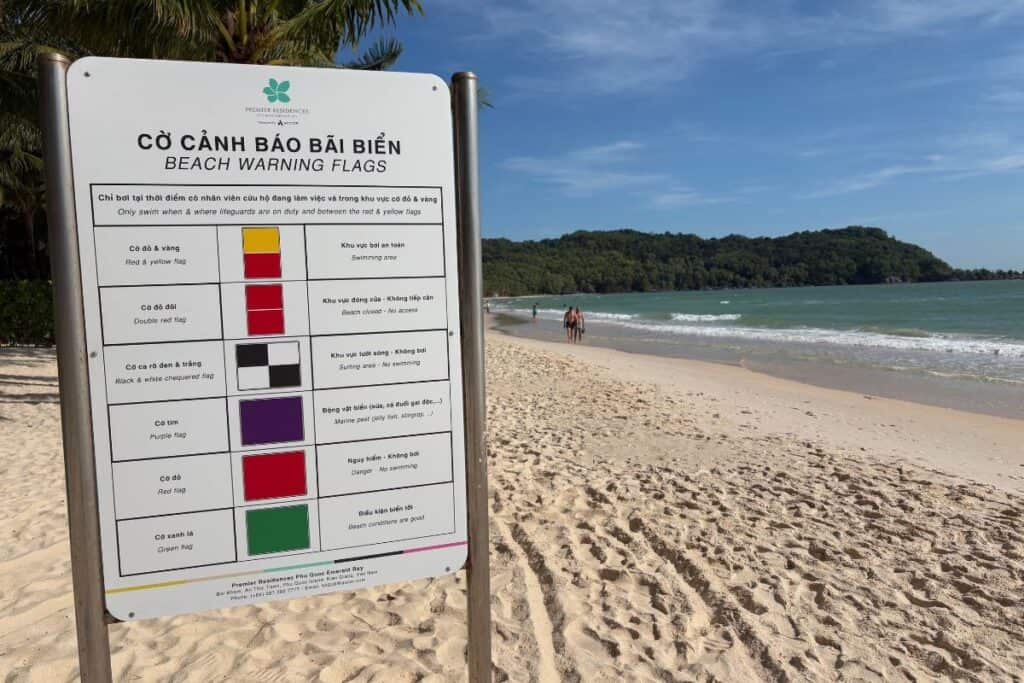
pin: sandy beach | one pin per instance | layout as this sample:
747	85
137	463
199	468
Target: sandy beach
652	520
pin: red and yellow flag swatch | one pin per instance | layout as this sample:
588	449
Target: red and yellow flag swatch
261	252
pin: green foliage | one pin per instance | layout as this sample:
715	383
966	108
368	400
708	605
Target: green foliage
986	274
26	312
631	261
298	32
301	32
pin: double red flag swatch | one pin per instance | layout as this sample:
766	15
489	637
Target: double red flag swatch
264	309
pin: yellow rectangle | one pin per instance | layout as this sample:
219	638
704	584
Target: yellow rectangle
261	241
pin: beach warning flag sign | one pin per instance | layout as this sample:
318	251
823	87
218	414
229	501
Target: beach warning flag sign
261	252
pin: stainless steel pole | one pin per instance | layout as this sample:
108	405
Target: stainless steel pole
73	366
467	184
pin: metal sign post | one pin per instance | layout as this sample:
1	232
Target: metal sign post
467	185
72	364
270	341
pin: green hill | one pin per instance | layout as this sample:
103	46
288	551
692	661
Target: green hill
633	261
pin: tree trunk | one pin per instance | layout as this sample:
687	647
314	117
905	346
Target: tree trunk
30	234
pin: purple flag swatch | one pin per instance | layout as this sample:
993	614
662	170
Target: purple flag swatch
270	420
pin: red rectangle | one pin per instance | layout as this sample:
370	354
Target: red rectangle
262	265
265	322
274	475
263	296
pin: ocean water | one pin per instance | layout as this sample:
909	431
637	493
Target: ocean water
967	335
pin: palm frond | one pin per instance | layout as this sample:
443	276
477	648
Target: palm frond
323	22
483	98
170	29
21	162
382	55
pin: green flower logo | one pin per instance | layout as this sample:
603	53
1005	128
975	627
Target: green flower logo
277	92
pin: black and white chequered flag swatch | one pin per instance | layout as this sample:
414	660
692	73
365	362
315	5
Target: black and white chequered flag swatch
273	365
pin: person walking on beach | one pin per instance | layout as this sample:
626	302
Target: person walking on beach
568	320
580	328
535	313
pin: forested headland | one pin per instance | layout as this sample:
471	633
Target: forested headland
633	261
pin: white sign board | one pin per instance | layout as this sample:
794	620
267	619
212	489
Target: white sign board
270	287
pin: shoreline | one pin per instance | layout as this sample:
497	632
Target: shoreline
996	399
974	446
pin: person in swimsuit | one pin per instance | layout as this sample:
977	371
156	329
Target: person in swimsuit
580	328
535	313
569	320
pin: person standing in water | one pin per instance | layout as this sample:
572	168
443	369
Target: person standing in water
580	328
535	313
568	321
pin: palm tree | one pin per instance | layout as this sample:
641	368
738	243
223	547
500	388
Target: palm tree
21	163
295	32
22	181
292	32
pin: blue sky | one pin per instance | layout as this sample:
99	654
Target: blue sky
758	118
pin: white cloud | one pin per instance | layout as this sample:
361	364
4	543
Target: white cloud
588	169
1008	98
610	46
682	197
938	166
867	181
902	16
610	166
614	151
1005	163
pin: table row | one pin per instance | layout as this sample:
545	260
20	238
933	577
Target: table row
166	255
140	431
231	535
140	373
173	313
192	483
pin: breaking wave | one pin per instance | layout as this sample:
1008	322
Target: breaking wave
704	317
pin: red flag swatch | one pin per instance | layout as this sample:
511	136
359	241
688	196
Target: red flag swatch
264	296
274	475
262	265
265	322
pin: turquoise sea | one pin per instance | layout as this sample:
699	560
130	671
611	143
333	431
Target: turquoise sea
963	339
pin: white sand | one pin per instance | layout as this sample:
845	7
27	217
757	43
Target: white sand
652	519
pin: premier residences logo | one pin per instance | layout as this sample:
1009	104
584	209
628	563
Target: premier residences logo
277	91
277	94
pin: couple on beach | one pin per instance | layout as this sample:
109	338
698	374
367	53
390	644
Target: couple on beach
574	325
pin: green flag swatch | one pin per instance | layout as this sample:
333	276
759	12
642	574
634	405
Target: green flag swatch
275	530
